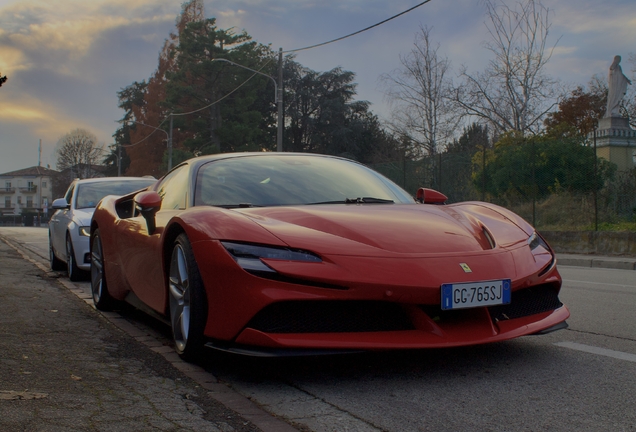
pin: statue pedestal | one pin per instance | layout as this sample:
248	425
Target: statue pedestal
615	142
618	123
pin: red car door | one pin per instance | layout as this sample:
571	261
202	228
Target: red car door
141	252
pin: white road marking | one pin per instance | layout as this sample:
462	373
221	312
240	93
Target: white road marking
599	351
598	283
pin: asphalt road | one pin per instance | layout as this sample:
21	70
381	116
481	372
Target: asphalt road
579	379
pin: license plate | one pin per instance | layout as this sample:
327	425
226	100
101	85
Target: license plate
475	294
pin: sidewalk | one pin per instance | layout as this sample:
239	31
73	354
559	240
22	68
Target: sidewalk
597	261
65	367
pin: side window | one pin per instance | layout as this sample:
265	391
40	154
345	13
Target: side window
174	189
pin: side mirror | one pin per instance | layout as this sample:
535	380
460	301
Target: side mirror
148	204
430	196
60	204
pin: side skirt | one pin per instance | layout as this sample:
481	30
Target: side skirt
134	301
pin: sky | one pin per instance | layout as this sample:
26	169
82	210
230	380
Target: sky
66	59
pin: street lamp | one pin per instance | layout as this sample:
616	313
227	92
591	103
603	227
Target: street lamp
168	138
278	97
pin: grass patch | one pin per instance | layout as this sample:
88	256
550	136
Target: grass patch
570	212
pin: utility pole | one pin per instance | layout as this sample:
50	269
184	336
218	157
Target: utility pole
594	185
279	97
170	145
278	94
118	160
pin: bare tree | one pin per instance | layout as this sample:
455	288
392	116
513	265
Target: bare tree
420	91
79	151
513	93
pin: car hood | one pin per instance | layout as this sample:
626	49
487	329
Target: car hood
404	229
82	217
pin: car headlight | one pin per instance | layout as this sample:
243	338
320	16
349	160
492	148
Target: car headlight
85	231
539	247
535	240
248	256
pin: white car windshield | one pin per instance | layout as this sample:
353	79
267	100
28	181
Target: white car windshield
89	194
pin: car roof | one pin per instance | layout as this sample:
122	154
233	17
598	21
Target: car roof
198	161
109	179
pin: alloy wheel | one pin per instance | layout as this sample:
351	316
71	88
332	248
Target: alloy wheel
97	269
69	258
179	286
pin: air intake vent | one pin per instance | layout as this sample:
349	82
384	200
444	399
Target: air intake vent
528	301
331	317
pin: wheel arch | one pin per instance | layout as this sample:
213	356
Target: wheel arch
67	238
94	225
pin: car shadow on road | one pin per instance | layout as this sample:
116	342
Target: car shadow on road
473	362
478	360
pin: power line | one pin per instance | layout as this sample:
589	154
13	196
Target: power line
195	111
227	95
359	31
285	52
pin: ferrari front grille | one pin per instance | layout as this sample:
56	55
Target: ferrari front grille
331	317
527	301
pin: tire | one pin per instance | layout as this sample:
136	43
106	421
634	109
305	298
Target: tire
75	274
99	288
55	263
188	302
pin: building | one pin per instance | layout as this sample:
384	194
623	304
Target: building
28	190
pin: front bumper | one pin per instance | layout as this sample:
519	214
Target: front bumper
82	252
354	303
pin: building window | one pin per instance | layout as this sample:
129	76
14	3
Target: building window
43	185
29	202
30	185
7	186
7	202
19	200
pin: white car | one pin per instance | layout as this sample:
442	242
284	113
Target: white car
69	227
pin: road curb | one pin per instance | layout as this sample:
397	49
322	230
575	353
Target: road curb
597	262
216	390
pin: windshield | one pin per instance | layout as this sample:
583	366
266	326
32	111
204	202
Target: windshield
278	180
89	194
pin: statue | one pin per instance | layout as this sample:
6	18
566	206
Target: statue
617	83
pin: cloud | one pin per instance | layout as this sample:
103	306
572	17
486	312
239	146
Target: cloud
11	60
585	16
20	113
63	32
42	118
564	50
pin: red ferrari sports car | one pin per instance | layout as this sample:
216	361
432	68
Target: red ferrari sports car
286	253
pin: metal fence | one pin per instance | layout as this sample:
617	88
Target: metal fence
551	191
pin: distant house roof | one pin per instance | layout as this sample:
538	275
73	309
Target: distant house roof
33	171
